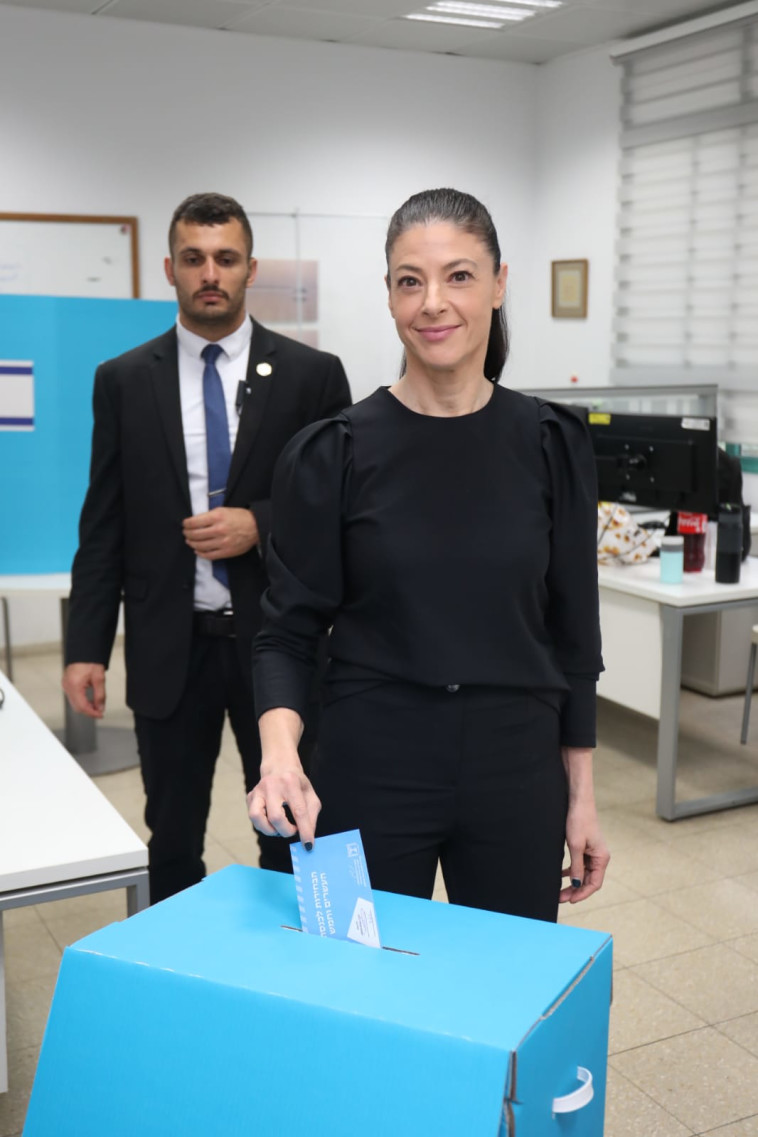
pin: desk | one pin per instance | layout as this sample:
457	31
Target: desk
641	621
98	749
59	836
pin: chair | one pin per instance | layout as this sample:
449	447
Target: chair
749	682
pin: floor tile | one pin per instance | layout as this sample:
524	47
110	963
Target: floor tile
723	909
641	931
27	1007
31	952
619	780
641	1014
110	905
631	1113
73	924
216	856
743	1030
27	914
714	982
746	945
243	850
659	866
14	1104
745	1127
731	852
750	880
702	1078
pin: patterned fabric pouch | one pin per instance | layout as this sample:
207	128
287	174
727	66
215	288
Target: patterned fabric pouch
620	540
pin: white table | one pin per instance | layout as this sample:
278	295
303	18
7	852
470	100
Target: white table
59	836
641	622
98	749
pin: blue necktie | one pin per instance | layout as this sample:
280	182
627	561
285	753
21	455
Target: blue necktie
216	440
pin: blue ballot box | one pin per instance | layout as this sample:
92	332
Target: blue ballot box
211	1015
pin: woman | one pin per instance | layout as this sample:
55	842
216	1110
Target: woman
444	528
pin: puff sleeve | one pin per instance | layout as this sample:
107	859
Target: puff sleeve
573	616
304	563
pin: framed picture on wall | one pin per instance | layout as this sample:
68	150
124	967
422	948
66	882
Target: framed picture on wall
570	289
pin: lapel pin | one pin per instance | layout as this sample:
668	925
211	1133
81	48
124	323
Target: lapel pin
263	369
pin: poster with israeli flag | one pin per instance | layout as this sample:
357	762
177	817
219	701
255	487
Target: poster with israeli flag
16	394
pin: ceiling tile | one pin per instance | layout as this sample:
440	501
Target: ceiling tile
412	35
583	26
191	13
518	49
374	9
659	10
550	33
299	23
85	6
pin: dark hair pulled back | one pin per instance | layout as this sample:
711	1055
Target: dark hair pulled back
465	212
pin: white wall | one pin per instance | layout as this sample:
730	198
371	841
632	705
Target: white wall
115	116
578	99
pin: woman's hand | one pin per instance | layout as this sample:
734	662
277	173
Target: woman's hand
586	844
283	782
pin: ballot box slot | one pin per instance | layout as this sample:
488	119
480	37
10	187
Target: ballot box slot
398	950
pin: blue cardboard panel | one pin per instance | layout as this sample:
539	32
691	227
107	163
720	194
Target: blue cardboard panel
547	1061
207	1014
44	472
229	929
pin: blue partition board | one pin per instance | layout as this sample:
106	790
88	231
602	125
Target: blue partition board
44	471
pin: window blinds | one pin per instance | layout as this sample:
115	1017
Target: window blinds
687	263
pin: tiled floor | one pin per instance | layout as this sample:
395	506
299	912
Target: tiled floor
681	901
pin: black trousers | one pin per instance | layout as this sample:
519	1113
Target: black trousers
471	777
178	758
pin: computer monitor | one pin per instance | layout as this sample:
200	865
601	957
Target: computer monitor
656	461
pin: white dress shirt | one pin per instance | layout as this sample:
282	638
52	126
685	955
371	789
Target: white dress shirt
232	367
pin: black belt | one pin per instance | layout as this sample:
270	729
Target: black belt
214	623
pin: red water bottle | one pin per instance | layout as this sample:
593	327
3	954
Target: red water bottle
693	527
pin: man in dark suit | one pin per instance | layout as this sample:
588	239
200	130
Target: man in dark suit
175	521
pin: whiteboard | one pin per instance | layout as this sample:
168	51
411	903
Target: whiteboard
69	255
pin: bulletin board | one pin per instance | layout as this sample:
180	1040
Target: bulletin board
61	254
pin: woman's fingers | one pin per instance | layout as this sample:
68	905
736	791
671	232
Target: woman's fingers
282	805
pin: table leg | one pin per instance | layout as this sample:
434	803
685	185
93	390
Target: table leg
3	1026
668	724
7	638
138	895
667	807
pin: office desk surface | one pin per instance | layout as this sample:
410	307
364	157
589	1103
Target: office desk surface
57	583
55	825
696	588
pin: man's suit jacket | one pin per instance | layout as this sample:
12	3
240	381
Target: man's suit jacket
130	532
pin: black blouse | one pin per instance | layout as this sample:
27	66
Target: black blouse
440	551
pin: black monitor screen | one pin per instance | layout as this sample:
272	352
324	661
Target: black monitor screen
656	461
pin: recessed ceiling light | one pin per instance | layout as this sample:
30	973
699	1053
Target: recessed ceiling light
428	17
486	11
493	9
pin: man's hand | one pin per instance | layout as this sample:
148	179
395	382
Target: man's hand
221	533
78	680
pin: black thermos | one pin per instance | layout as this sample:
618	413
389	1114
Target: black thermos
729	544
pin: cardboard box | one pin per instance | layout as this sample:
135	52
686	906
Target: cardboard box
210	1015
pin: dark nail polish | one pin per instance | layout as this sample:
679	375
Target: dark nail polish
308	846
575	882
